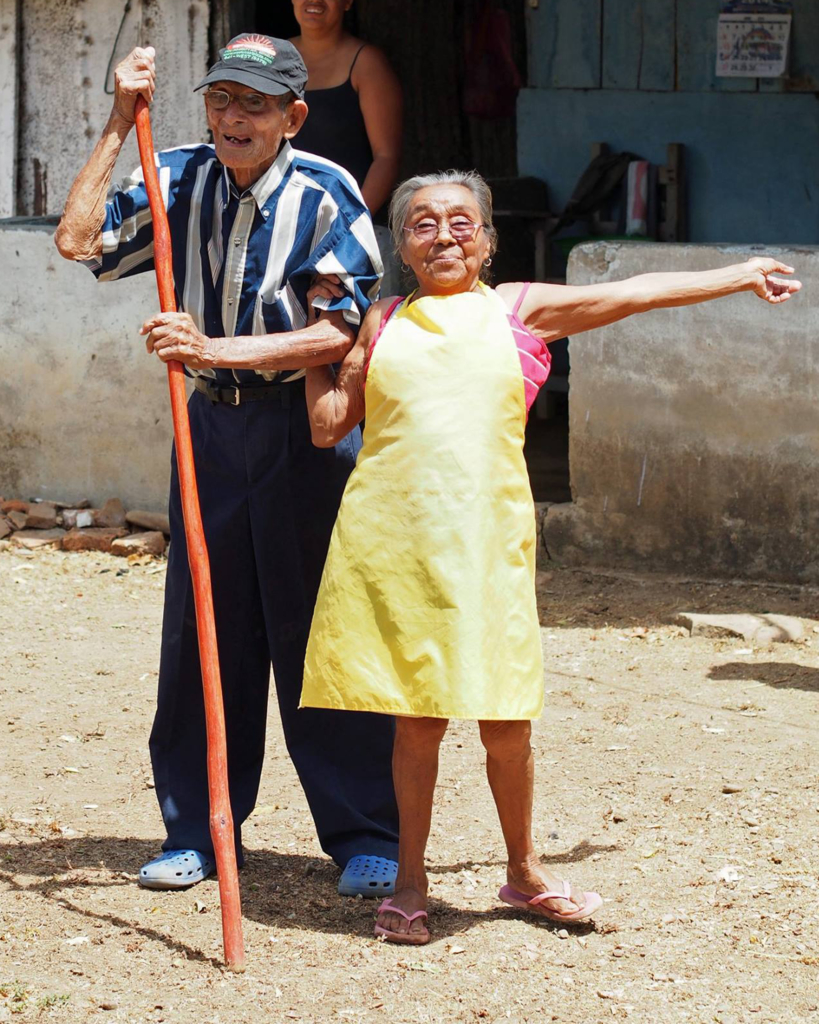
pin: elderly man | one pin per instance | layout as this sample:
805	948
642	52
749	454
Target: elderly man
253	221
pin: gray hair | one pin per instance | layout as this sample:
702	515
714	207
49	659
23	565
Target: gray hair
403	195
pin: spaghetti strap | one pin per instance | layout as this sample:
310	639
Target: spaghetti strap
350	72
384	321
521	297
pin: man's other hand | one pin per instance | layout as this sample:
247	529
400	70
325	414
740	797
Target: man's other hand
134	76
175	336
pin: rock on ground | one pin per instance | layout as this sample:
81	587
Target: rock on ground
149	521
17	518
41	516
78	517
37	538
95	538
150	543
112	513
763	629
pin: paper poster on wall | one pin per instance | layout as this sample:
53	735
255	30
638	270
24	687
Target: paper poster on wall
752	39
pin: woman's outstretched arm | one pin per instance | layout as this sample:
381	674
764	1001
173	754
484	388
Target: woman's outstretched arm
335	401
554	311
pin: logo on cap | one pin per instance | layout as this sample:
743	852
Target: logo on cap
253	47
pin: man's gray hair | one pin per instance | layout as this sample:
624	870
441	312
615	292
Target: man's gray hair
402	199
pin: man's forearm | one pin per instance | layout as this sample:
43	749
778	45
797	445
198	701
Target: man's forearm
79	234
327	341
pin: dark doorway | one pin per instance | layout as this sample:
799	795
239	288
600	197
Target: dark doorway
429	46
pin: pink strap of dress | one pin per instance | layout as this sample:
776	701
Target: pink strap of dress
520	299
535	360
379	332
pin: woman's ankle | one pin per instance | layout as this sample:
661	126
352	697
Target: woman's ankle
525	866
417	883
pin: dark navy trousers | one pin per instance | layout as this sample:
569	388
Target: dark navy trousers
269	499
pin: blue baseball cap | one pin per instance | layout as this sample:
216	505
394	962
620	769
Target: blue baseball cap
270	66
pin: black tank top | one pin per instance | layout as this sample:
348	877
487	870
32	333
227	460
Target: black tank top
335	127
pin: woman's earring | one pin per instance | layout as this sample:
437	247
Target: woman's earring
405	267
488	261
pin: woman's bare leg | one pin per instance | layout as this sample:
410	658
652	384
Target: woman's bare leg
415	772
510	768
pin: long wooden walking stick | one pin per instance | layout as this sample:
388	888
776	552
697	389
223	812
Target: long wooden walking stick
221	817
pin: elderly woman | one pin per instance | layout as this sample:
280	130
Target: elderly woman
427	606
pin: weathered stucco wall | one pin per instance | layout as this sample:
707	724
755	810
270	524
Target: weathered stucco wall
694	432
64	49
84	411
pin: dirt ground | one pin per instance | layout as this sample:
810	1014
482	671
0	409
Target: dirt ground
712	902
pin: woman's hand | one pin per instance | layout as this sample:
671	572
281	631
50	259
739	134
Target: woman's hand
771	289
175	336
328	286
324	286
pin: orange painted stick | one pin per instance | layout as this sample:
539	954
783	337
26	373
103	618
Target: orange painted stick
221	817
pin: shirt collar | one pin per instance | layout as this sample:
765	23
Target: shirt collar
264	187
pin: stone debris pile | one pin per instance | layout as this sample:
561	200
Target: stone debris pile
75	526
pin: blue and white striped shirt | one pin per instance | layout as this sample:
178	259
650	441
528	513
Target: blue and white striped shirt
242	263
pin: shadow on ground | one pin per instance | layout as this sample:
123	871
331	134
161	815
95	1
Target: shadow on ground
781	675
282	890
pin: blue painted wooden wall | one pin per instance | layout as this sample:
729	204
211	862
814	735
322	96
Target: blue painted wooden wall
639	74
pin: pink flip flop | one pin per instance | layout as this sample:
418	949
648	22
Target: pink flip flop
518	899
407	938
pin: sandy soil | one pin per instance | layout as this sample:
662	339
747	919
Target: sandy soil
712	902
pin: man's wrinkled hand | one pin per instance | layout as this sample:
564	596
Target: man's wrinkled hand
134	76
175	336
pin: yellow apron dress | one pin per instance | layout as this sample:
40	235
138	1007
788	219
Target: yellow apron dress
427	603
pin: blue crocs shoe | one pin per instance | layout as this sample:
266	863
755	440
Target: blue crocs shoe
176	869
370	877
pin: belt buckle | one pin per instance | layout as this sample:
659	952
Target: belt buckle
237	395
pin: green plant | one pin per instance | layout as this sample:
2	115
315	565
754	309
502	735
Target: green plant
52	999
17	995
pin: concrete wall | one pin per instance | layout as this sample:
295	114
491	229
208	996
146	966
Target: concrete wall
64	47
694	432
84	411
9	31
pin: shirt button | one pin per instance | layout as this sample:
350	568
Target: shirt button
265	214
230	302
